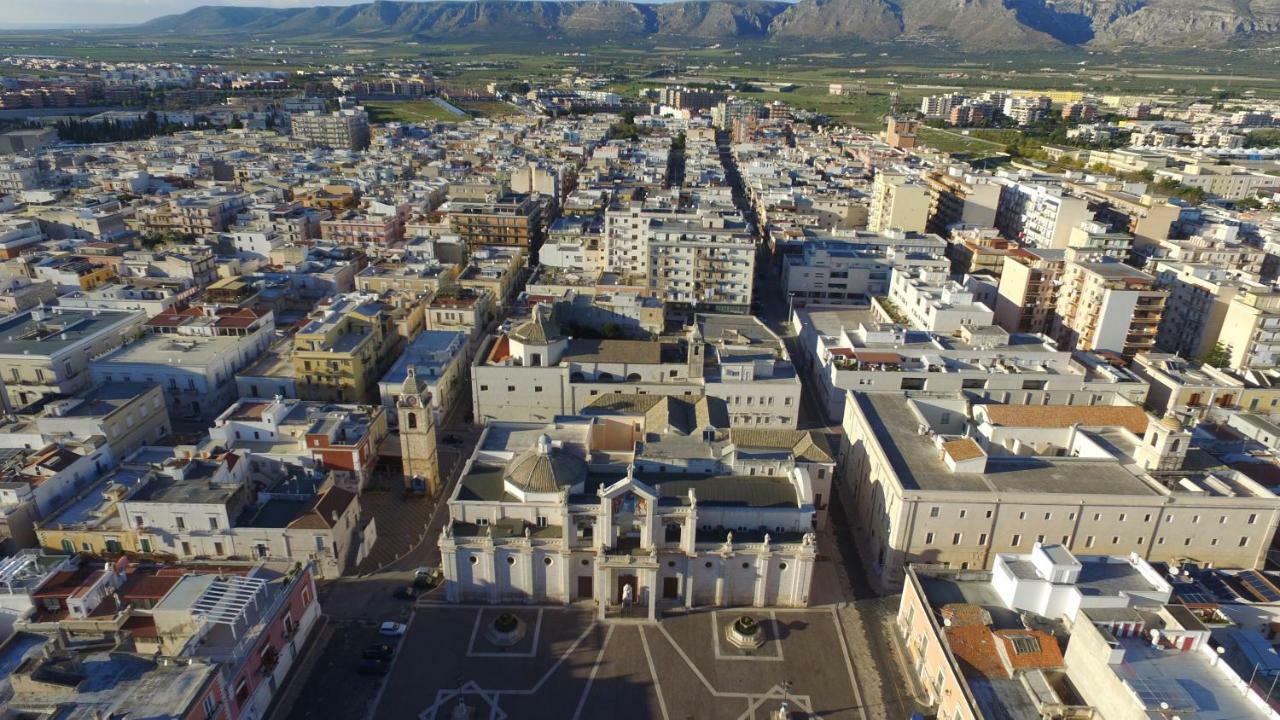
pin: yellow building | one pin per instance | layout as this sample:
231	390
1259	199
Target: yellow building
1251	330
1058	97
347	345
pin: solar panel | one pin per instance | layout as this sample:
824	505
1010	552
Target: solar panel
1259	586
1196	597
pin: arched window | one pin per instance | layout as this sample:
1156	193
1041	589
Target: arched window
413	421
633	377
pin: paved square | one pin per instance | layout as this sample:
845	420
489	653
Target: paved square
569	666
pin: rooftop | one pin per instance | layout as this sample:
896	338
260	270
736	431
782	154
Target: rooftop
49	330
919	465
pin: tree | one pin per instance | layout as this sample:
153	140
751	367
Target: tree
1218	356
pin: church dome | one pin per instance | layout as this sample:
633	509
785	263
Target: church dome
545	469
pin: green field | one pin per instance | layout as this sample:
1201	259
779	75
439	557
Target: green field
955	142
408	111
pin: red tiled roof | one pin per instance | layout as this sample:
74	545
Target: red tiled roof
975	650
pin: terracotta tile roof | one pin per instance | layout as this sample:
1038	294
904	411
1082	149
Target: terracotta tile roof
321	513
963	449
1133	419
965	614
1029	649
975	650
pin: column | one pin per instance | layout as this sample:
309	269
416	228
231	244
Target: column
450	563
526	559
491	558
566	575
653	595
720	598
762	579
601	590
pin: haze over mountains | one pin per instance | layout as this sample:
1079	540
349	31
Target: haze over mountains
968	24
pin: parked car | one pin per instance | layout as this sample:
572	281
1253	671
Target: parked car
392	629
425	577
378	652
406	592
370	666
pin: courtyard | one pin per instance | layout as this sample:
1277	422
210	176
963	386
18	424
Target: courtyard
569	666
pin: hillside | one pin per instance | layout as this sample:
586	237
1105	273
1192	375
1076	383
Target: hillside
968	24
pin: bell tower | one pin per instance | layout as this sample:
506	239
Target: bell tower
697	348
417	436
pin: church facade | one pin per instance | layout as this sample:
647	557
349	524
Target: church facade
573	511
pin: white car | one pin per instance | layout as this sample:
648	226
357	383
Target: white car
392	629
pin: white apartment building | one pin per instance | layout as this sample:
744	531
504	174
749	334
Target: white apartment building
836	270
701	262
1229	182
1038	214
193	357
932	302
849	349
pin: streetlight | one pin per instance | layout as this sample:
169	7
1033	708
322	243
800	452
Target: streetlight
784	710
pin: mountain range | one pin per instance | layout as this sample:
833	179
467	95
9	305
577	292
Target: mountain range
967	24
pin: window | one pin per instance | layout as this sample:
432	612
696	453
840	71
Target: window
146	545
1088	541
542	521
180	522
989	514
1253	518
1048	516
482	522
412	419
963	513
955	539
484	388
1244	541
928	538
1022	516
1123	516
1097	517
137	521
982	538
1146	518
213	523
217	549
1016	541
209	705
934	511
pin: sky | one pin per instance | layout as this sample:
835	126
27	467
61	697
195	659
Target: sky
62	13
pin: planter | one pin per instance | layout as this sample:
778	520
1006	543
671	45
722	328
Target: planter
745	633
505	630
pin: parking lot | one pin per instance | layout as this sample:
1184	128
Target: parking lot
568	666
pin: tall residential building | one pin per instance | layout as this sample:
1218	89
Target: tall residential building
1107	306
1199	297
1091	241
901	133
704	261
898	202
1251	330
346	129
957	198
1027	297
1039	215
510	220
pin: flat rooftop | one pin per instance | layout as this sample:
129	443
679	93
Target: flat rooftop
180	350
47	331
1184	680
919	466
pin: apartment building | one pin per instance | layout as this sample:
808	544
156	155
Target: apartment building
47	351
459	309
1092	241
345	129
1199	297
20	293
17	234
981	642
193	355
936	482
535	372
930	301
898	202
1038	214
1251	329
190	640
1189	389
343	349
701	262
361	229
1027	295
855	267
1107	306
127	415
850	349
959	198
507	220
151	300
1229	182
438	358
